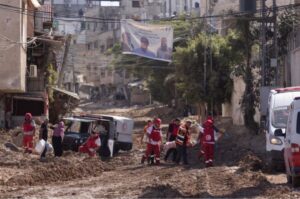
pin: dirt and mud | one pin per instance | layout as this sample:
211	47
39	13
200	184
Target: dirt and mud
240	169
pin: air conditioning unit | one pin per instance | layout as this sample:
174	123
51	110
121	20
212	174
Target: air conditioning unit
33	70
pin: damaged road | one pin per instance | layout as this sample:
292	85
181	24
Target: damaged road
240	171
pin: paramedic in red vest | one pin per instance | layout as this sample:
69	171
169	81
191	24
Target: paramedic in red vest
155	136
182	141
209	138
171	136
92	145
28	132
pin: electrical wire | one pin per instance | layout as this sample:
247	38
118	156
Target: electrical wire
234	14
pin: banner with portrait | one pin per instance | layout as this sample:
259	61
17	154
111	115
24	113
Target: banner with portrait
147	40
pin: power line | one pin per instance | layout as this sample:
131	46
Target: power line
117	20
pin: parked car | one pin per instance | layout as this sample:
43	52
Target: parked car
118	134
277	115
292	143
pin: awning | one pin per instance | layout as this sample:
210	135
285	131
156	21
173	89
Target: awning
28	98
35	3
71	94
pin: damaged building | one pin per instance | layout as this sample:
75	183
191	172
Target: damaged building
88	70
27	59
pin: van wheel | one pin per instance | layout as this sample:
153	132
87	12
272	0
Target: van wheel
116	149
295	181
289	178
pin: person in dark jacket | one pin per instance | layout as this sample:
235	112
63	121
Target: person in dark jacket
182	142
44	135
57	138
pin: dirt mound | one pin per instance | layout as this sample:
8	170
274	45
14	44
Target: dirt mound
251	163
161	191
56	170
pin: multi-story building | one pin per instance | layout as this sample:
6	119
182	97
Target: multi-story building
95	27
27	49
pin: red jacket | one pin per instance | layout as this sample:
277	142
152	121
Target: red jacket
91	142
208	135
155	135
28	128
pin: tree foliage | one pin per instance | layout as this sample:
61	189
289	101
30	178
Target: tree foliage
212	85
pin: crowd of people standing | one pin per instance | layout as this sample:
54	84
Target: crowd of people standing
178	139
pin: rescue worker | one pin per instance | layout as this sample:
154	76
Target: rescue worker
182	141
209	137
155	136
29	128
92	145
171	137
145	139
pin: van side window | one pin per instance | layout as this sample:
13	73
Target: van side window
298	123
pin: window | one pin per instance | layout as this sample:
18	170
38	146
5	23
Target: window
102	73
96	44
22	106
279	117
82	27
136	4
95	26
197	5
109	72
88	47
102	48
298	123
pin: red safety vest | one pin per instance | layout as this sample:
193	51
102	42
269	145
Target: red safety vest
91	142
155	134
208	135
28	128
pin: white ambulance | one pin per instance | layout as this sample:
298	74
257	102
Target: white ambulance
292	143
277	113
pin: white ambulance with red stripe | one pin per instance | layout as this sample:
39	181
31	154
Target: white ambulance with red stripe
292	143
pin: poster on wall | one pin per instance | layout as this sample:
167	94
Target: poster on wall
147	40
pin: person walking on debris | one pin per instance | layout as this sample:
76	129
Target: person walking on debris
182	141
171	137
145	139
29	128
57	138
210	134
92	145
44	135
155	136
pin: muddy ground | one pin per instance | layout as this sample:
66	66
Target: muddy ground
240	170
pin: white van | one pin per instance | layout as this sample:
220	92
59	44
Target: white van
292	143
119	132
277	114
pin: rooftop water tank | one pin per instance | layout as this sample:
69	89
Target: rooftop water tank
247	5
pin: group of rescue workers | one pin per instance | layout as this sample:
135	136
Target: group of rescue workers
90	146
178	139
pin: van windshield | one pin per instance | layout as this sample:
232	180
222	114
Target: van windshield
78	127
280	117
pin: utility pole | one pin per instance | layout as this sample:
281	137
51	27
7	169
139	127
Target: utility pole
63	65
277	70
205	48
263	43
